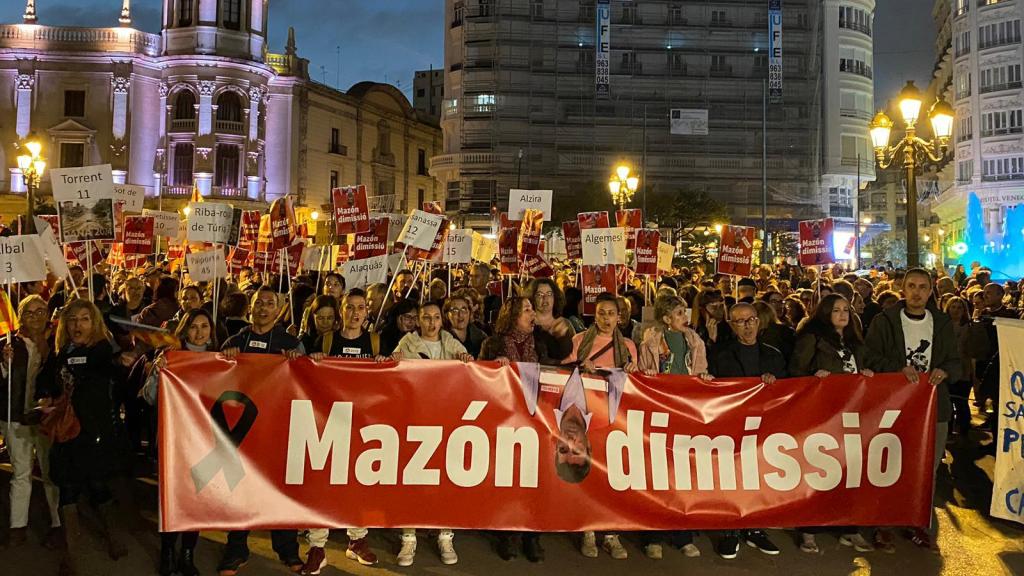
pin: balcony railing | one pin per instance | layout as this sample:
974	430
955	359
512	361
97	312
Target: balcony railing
385	159
337	149
230	127
721	71
215	192
999	87
75	39
856	27
183	125
1002	131
854	113
855	67
1002	177
997	42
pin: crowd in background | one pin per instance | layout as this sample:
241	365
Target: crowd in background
783	321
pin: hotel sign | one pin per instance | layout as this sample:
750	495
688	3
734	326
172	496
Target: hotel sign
602	70
775	51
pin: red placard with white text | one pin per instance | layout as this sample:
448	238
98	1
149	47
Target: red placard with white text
573	241
351	213
735	254
632	220
588	220
597	280
645	253
138	234
816	242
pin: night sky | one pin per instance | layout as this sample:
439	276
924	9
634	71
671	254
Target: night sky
390	39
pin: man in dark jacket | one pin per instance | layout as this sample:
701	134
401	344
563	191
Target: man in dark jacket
744	356
915	338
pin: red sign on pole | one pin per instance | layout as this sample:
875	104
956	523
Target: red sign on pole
632	220
508	252
588	220
573	242
645	254
351	214
138	234
529	235
373	242
597	280
816	242
736	252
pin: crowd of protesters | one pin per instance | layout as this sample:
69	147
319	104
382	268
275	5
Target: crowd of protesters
784	321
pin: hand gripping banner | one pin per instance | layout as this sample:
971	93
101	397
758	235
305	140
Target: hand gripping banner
263	442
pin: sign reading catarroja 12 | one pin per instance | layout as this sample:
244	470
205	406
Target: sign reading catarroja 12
602	73
85	202
775	51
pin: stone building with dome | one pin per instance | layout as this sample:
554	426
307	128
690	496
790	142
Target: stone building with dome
206	104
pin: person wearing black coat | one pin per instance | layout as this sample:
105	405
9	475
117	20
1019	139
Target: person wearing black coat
86	463
740	357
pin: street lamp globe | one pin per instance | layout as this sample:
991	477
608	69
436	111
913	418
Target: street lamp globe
24	162
632	183
40	167
613	187
622	172
881	127
910	104
314	215
941	116
34	147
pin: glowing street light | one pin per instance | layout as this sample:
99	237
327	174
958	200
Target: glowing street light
32	166
623	186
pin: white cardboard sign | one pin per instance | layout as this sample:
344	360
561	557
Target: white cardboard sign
458	248
85	202
207	266
665	254
51	252
20	260
164	223
602	246
133	197
421	229
521	200
484	249
210	222
362	273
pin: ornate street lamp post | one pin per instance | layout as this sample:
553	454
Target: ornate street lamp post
915	151
623	185
32	167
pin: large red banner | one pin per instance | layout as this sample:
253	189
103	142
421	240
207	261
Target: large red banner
816	242
270	446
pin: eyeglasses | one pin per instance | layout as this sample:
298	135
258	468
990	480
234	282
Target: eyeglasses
38	312
408	317
458	310
746	323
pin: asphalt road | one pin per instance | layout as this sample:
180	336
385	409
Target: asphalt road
971	544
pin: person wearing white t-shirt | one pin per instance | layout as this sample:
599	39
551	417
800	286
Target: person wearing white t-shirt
915	338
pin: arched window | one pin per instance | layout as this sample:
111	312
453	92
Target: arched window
185	12
185	106
232	14
229	108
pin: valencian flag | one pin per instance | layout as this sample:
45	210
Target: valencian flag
150	335
8	319
196	196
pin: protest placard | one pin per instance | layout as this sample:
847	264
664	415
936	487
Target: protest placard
735	254
632	220
484	249
666	252
420	229
362	273
21	260
85	202
573	241
351	213
133	197
816	242
209	222
165	224
645	254
138	235
588	220
604	246
458	247
596	280
519	201
207	265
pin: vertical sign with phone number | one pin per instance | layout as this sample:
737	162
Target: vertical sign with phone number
775	51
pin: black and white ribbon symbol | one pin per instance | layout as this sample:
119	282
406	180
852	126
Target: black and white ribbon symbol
224	455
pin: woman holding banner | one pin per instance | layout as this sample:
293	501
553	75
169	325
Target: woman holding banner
429	343
458	311
602	346
195	333
514	340
830	342
84	461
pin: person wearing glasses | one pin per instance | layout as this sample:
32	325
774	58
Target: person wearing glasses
458	313
401	320
741	357
548	302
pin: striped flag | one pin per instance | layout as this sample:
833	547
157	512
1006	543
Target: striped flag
196	196
8	318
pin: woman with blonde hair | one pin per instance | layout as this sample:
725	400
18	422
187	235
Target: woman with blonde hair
85	463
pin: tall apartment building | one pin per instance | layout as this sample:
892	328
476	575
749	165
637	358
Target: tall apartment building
428	93
533	100
989	104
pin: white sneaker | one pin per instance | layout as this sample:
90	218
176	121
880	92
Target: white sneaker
447	549
589	546
408	552
613	547
691	551
653	551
